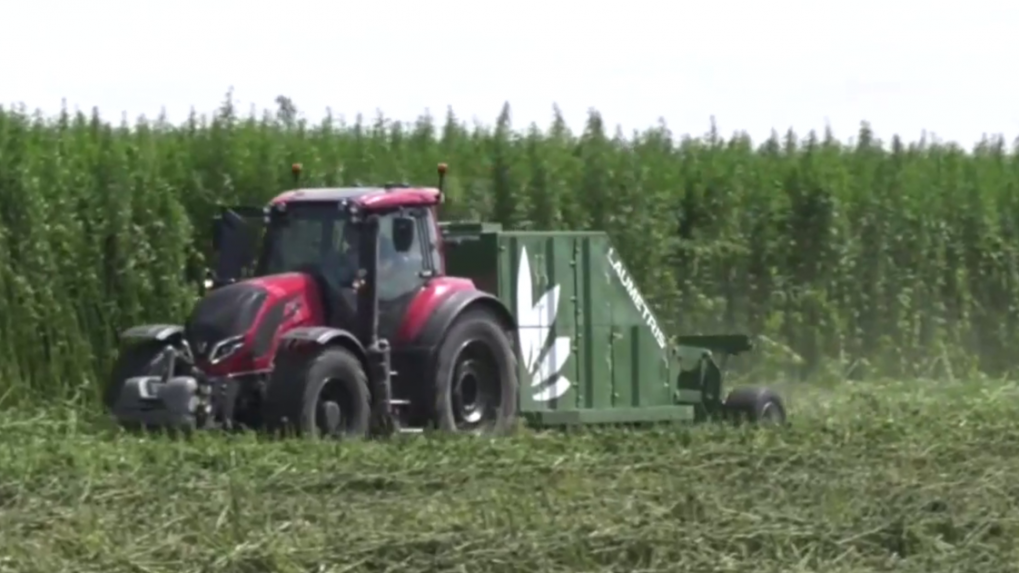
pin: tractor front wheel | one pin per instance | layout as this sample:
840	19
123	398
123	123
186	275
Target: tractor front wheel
474	388
318	392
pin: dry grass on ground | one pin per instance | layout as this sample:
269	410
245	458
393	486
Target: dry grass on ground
871	477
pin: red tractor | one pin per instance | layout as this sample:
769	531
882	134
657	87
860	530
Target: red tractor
348	326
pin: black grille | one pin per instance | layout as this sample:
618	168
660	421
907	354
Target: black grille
225	312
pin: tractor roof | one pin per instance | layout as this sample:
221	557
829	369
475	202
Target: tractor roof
368	197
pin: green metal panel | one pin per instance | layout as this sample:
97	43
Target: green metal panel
590	350
472	251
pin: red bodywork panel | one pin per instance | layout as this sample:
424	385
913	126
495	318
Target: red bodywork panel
436	291
309	312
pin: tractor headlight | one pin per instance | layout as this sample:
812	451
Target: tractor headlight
225	349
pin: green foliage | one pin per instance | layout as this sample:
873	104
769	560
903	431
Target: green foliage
846	259
904	477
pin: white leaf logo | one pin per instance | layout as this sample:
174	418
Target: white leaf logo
543	362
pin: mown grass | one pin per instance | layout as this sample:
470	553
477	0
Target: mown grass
897	476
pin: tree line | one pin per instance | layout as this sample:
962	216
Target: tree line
844	259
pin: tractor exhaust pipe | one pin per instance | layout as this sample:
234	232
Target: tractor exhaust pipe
378	350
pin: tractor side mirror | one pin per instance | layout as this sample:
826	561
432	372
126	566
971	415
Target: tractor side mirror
403	234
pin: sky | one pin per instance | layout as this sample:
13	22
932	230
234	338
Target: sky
905	66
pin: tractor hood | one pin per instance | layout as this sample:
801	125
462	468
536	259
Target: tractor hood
222	315
252	312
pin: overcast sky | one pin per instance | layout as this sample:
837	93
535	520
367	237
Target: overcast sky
903	65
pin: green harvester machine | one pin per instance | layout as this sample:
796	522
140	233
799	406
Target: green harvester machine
593	351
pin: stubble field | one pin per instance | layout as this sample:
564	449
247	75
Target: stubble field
904	476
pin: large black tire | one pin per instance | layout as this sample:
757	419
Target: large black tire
321	392
756	406
143	359
474	388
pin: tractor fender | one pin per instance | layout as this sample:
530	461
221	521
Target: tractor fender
452	308
153	332
322	336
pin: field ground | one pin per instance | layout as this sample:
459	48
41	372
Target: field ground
904	476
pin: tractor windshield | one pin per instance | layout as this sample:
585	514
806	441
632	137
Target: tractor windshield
319	239
312	238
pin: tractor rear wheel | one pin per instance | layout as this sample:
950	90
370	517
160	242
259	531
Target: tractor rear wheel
322	392
474	388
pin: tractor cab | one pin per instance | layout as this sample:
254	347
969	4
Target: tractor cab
321	233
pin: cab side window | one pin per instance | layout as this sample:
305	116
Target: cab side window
399	273
431	234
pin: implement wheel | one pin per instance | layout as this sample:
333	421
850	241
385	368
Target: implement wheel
755	405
